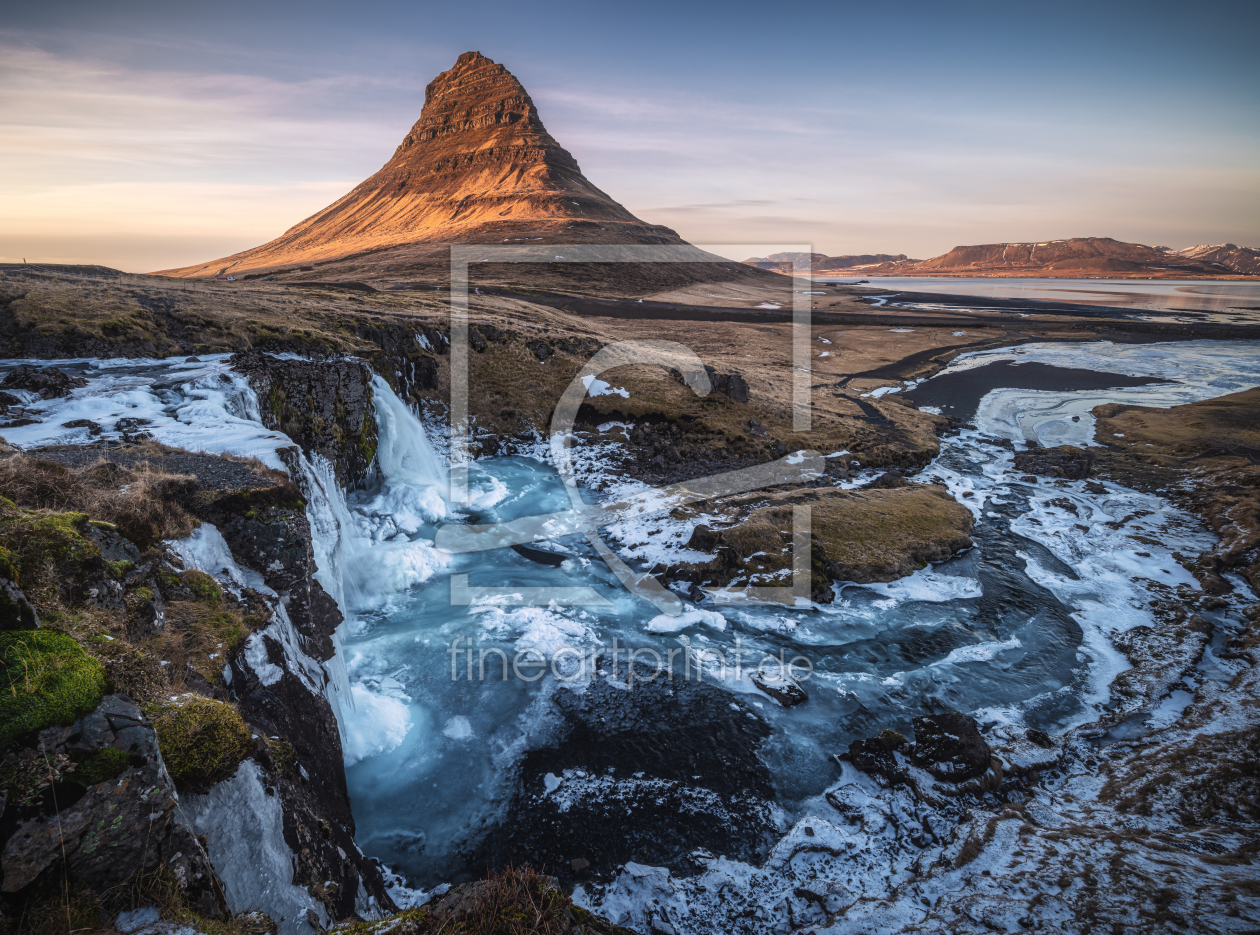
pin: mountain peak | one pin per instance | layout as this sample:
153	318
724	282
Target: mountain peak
477	165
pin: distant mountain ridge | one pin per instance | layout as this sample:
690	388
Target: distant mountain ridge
820	262
1073	257
1231	256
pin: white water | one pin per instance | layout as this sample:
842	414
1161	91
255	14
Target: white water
879	651
429	757
364	550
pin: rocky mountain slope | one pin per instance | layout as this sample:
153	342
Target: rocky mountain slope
1071	258
1227	255
477	167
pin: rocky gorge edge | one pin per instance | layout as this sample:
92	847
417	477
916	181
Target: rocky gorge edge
127	797
262	523
214	784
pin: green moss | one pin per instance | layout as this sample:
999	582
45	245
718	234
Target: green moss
367	440
408	920
202	740
8	565
8	509
284	756
204	587
48	679
252	503
35	539
145	594
105	764
120	568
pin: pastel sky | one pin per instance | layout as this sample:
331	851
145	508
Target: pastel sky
145	134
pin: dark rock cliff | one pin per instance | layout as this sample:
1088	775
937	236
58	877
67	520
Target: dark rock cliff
324	406
107	782
268	532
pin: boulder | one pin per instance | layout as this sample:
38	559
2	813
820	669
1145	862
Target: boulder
93	428
877	755
949	746
1065	461
783	690
732	384
116	817
889	480
48	382
16	612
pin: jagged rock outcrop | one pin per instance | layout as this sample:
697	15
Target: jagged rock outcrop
48	382
239	608
279	685
947	746
116	818
615	793
324	406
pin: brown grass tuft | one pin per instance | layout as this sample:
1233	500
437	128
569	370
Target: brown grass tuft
510	902
143	503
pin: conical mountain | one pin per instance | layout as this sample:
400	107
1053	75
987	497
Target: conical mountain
477	167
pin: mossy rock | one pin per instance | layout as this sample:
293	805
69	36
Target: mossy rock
203	586
8	564
253	504
121	568
48	679
105	764
202	740
37	539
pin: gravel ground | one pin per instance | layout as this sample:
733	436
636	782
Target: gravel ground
211	471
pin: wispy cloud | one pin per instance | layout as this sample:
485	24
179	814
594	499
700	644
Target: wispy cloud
55	110
94	149
163	167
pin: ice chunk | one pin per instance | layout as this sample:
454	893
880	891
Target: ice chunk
692	616
927	585
244	831
458	728
377	725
